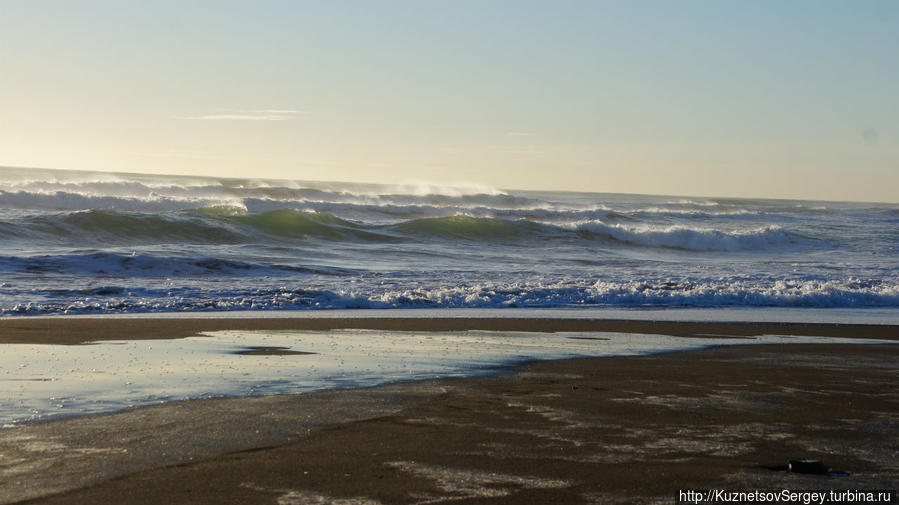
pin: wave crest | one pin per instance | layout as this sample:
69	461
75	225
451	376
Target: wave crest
694	239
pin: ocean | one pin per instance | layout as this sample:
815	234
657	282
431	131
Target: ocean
102	243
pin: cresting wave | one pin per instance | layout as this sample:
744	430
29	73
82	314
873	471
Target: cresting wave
231	225
701	239
158	197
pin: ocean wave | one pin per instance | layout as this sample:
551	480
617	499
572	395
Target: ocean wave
108	264
104	192
370	211
694	213
232	224
219	224
81	242
643	293
107	227
290	223
472	228
68	200
695	239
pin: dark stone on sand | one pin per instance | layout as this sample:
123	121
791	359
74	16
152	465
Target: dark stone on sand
270	351
811	466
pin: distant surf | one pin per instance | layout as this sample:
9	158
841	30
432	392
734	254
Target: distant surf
81	242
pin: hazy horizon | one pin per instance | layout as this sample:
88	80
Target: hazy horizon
718	99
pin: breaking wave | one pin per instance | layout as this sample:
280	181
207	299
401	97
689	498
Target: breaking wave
681	237
231	224
652	293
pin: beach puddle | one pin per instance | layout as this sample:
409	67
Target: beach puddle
45	382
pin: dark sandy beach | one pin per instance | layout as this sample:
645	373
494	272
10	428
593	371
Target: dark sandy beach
74	330
606	430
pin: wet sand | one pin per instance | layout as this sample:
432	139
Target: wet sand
74	330
605	430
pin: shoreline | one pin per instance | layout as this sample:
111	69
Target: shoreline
77	330
563	431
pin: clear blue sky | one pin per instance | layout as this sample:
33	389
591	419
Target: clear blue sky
722	98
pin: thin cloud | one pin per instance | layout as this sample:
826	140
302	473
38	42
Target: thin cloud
240	117
520	134
248	115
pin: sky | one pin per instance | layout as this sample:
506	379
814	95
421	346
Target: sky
768	98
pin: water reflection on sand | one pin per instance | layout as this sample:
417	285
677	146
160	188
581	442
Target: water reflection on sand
43	382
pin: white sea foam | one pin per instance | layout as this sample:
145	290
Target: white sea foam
696	213
224	290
